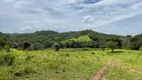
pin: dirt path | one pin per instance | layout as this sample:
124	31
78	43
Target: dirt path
101	72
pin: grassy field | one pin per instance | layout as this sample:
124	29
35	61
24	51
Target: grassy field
126	65
81	38
70	64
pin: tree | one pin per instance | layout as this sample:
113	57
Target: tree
117	40
57	46
26	45
136	42
2	43
37	46
126	41
111	44
48	44
93	38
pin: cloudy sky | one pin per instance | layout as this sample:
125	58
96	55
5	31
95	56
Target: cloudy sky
107	16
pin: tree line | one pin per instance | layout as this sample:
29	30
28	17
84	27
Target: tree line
51	39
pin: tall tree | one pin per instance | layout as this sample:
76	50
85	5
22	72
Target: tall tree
111	44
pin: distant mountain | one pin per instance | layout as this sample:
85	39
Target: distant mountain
53	35
46	33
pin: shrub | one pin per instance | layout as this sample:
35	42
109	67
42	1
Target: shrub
93	53
1	48
57	46
26	45
140	48
29	57
37	46
68	55
2	43
7	59
7	48
25	71
18	73
28	69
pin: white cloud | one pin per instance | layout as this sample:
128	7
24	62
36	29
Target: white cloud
87	19
65	15
25	28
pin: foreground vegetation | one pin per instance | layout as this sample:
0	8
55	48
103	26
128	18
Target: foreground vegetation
70	64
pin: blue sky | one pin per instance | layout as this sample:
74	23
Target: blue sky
108	16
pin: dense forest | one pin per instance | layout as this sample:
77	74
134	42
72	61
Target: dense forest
79	39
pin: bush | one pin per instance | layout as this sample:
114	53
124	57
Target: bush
7	59
2	43
7	48
26	45
140	48
1	48
18	73
28	70
57	46
37	46
93	53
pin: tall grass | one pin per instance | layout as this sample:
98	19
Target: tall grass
66	64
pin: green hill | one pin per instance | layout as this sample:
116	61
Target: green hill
81	39
74	39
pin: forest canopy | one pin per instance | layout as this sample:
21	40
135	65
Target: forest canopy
79	39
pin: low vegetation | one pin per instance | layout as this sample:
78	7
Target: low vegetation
69	64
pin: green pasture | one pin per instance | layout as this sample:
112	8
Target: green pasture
70	64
